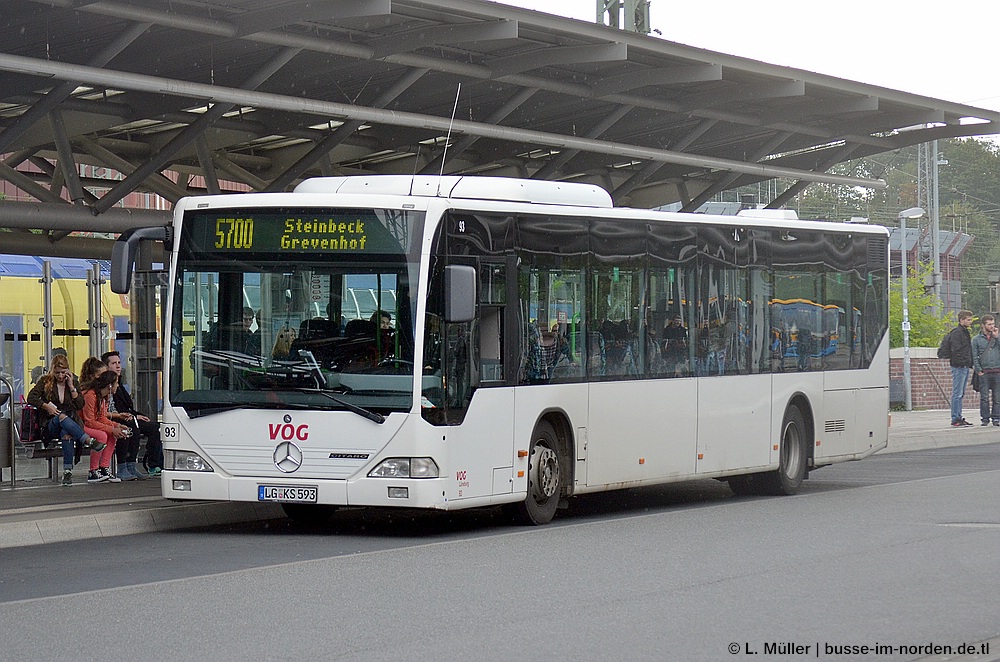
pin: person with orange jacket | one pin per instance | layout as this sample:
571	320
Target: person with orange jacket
98	425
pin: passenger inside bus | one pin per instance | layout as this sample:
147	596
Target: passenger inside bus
237	339
675	347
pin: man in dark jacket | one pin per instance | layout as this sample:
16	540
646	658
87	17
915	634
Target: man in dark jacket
986	363
957	346
142	425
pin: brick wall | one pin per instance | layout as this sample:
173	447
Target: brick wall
930	379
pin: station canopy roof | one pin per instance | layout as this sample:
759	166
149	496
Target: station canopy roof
266	93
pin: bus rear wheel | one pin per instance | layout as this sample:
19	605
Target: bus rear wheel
792	457
544	479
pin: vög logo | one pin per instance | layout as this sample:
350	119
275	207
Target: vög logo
286	431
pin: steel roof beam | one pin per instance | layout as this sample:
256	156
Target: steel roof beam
820	107
239	173
466	142
157	183
442	35
27	184
188	135
207	166
67	164
553	55
329	109
833	159
60	93
566	155
226	29
341	133
702	100
280	14
726	180
634	80
74	218
648	170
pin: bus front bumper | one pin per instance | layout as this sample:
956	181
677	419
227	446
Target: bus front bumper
378	492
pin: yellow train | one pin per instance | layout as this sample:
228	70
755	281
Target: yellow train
22	313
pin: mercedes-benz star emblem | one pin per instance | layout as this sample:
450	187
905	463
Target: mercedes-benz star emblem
287	457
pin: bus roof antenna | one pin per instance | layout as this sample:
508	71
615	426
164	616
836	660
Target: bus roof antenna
444	155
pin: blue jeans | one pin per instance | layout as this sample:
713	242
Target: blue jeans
989	408
59	430
959	378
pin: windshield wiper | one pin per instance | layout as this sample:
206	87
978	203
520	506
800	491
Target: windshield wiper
197	411
349	406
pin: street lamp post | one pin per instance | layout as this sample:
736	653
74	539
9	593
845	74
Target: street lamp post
912	212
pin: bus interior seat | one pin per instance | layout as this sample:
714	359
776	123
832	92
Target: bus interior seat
360	327
317	328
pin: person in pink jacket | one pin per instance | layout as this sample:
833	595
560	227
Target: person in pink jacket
98	425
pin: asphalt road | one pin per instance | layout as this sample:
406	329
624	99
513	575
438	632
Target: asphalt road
898	552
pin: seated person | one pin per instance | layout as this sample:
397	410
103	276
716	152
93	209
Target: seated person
237	339
383	319
283	343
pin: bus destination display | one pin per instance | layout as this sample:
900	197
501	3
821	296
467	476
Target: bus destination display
341	232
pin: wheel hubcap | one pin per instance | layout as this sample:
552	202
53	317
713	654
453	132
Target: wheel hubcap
544	472
790	450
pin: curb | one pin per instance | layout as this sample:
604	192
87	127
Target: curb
106	524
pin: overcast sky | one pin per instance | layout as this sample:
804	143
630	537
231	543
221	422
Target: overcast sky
945	50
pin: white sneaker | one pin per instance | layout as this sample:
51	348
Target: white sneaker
110	477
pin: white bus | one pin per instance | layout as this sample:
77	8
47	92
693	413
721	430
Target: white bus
533	343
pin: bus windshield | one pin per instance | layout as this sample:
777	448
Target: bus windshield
294	308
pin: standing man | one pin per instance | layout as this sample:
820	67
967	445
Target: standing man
153	459
986	363
957	347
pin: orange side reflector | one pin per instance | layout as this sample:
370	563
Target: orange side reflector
642	460
701	456
520	474
522	453
776	447
818	442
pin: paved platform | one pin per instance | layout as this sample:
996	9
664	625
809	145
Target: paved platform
40	511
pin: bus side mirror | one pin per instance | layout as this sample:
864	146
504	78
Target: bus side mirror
123	255
459	293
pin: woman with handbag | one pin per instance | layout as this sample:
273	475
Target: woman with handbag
58	400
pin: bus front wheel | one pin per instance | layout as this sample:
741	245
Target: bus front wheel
544	479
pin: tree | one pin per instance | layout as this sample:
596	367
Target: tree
926	329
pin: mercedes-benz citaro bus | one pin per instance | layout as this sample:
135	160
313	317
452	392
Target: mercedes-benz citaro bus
520	342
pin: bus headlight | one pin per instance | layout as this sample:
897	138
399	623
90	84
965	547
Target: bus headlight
185	461
405	467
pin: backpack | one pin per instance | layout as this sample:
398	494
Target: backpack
944	351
